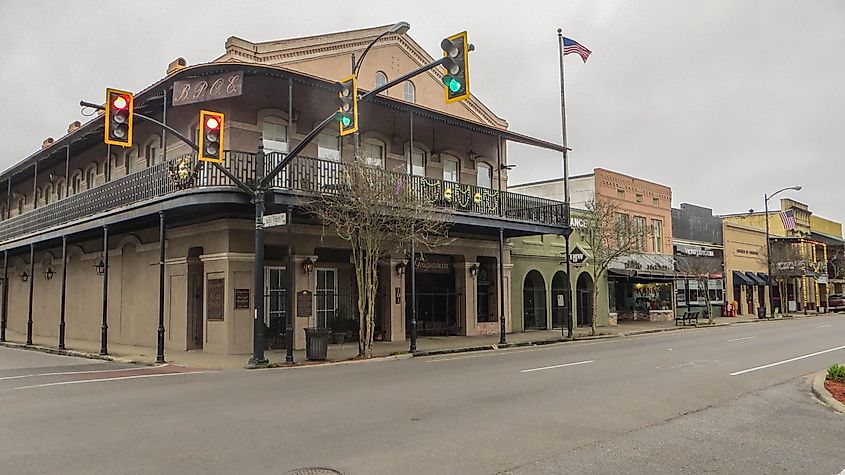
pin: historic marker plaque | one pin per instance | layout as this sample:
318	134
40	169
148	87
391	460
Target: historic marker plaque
241	298
303	304
214	296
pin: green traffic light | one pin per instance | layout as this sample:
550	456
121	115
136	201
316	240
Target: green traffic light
454	85
346	121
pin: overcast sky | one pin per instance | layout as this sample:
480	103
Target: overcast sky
721	100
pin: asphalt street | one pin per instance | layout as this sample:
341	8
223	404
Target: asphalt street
718	400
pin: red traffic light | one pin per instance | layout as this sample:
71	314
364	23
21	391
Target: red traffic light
120	102
212	123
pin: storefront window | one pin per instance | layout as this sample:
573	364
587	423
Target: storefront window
641	298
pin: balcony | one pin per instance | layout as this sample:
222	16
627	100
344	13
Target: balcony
302	176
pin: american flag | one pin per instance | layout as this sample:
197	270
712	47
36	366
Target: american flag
572	46
788	220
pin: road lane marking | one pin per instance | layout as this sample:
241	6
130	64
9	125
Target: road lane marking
743	338
823	326
790	360
121	378
555	366
65	373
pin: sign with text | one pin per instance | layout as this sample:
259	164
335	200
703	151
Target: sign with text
241	298
273	220
208	88
214	296
577	256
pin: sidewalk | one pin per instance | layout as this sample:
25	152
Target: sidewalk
348	351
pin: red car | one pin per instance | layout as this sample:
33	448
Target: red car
836	303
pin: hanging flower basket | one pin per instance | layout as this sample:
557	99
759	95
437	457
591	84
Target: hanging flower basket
183	171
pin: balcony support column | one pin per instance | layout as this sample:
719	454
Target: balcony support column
104	329
5	304
67	171
31	289
160	333
62	298
164	129
35	187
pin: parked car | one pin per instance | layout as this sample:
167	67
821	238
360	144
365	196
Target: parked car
836	303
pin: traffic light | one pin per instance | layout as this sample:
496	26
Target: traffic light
119	107
347	102
211	136
456	49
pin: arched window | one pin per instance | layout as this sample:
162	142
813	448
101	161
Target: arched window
60	189
485	175
131	160
381	78
373	153
416	162
21	202
451	168
410	92
274	134
328	147
152	151
48	191
90	177
39	195
76	182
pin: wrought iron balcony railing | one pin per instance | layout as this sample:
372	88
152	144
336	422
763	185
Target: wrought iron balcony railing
303	174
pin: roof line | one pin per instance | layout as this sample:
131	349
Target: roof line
550	180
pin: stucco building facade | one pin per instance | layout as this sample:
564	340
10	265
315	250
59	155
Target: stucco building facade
82	222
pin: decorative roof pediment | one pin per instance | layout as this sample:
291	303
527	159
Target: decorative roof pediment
329	56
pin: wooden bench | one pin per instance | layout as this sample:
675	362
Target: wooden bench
687	317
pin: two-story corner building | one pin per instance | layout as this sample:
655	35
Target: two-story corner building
799	261
84	224
697	240
829	232
639	286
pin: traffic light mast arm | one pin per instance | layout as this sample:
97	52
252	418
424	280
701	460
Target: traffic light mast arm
181	137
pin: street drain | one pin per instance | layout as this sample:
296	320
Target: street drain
313	471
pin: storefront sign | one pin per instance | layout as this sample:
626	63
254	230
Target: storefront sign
214	297
691	251
434	264
209	88
578	223
577	256
747	252
822	279
653	262
241	298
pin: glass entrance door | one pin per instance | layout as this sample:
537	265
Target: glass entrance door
326	297
275	305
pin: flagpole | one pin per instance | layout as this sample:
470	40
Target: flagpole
567	231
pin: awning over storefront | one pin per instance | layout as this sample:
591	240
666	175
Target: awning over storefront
754	278
640	276
763	276
827	239
741	279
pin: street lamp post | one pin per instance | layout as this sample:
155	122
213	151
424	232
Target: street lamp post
766	199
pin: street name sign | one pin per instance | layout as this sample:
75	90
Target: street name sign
273	220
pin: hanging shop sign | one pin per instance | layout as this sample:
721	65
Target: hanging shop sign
691	251
577	256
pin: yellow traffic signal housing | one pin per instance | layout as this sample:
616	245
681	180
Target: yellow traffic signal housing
456	48
211	136
347	112
119	113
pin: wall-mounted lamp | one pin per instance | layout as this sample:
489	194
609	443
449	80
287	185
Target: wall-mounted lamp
100	266
400	267
49	273
507	167
24	276
307	266
473	269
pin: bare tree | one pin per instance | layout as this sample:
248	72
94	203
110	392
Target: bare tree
786	262
701	269
378	212
611	236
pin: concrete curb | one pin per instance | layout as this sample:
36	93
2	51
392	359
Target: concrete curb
822	393
312	364
73	353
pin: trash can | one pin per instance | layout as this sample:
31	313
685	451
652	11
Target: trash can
761	312
316	343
